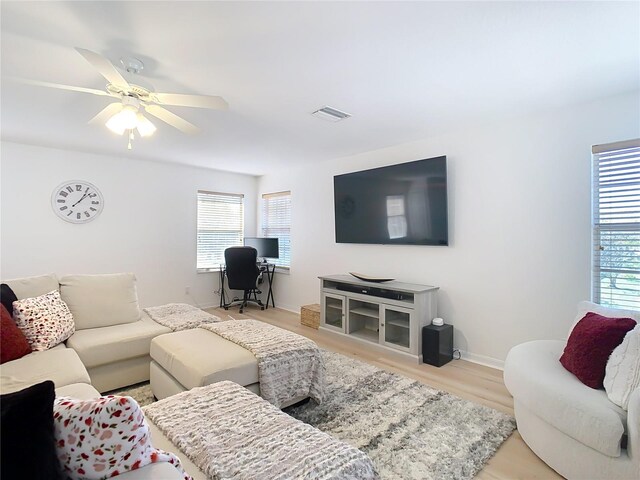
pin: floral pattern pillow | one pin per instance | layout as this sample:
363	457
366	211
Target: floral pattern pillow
46	320
104	437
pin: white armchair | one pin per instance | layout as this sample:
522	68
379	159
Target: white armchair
575	429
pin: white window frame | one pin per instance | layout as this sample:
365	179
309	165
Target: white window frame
217	213
616	225
281	230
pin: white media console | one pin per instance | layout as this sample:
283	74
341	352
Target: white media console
389	314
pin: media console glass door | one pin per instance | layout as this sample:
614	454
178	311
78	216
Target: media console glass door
333	308
396	327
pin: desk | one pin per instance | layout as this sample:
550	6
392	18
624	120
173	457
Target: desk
268	269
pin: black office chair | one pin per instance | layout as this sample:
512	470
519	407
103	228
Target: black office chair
242	274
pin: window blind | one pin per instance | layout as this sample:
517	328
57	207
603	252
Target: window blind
276	222
220	225
616	225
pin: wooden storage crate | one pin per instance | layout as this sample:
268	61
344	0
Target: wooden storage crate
310	315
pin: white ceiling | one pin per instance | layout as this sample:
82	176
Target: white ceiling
405	71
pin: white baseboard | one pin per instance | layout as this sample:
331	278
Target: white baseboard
289	308
471	357
482	360
204	306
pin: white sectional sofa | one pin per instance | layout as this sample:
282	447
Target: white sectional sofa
107	350
112	338
110	349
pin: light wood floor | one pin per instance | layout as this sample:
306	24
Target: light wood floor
477	383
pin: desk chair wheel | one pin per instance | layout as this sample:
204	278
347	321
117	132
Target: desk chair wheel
262	308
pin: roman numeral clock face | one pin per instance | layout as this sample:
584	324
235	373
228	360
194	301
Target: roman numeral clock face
77	201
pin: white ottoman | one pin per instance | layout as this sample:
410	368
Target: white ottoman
194	358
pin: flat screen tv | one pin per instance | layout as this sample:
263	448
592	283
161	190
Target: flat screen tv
403	204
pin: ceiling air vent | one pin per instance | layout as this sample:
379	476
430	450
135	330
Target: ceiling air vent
330	114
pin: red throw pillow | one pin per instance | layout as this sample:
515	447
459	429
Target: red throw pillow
590	345
13	343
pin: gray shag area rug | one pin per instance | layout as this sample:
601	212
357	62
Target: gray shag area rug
408	429
140	392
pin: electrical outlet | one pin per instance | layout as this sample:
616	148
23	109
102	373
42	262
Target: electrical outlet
186	290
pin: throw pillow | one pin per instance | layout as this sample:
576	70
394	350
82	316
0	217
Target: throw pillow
45	320
7	297
622	375
590	345
28	445
13	343
104	437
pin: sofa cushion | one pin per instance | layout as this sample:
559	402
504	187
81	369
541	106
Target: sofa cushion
83	391
101	346
7	297
199	357
61	365
28	443
45	320
590	344
155	471
101	300
533	375
13	343
28	287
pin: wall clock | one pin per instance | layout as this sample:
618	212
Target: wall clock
77	201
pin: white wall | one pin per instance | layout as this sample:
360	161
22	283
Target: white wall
148	225
519	203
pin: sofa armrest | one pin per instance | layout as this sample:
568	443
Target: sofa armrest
633	427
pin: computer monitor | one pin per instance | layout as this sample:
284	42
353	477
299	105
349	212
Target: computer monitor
266	247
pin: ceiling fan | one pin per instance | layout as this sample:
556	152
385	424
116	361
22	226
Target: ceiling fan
126	115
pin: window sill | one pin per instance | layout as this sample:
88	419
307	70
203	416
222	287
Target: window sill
208	270
283	270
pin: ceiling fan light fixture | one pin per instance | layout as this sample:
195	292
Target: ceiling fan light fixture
144	126
115	127
125	119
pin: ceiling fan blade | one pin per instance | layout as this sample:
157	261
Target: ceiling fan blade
104	67
59	86
106	113
172	119
198	101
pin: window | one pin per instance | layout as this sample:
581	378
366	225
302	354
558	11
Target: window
276	222
616	224
220	225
